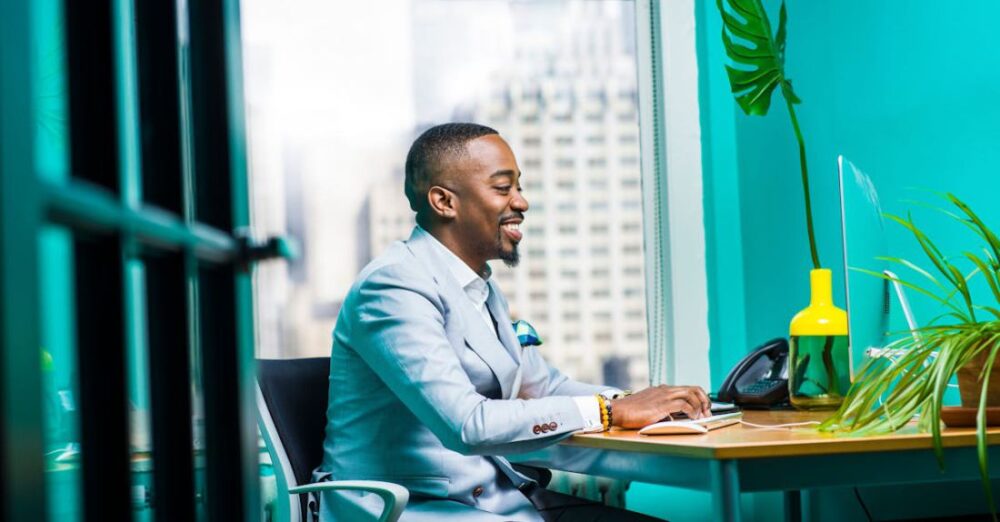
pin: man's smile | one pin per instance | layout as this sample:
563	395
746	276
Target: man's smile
513	231
512	228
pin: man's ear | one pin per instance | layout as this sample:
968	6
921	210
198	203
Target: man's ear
442	201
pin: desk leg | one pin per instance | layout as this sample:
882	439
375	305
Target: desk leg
793	506
725	480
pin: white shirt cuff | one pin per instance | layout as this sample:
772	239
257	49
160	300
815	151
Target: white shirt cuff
590	410
610	393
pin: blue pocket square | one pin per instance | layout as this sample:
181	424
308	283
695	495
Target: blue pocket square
526	334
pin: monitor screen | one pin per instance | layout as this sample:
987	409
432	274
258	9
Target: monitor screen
864	240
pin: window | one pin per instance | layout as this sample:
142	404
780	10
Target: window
565	163
598	184
312	133
104	286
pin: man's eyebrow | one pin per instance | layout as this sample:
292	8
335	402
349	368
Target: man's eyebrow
500	173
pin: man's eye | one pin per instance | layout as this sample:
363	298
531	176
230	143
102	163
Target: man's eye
503	188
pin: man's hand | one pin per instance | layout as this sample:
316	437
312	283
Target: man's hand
656	403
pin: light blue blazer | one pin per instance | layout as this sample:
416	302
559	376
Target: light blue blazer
424	394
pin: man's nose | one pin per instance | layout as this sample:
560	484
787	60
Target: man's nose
519	203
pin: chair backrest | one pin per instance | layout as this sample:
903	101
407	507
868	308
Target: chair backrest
294	393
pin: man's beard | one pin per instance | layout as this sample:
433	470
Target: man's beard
510	258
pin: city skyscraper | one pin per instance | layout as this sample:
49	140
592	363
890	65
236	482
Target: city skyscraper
567	104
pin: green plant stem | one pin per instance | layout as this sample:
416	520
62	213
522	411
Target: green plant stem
833	384
805	180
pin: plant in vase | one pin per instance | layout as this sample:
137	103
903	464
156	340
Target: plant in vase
962	341
820	330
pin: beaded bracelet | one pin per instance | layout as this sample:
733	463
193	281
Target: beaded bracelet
602	403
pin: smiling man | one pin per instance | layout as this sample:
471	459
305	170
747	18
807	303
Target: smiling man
429	387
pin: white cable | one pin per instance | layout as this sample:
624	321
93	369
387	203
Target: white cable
779	426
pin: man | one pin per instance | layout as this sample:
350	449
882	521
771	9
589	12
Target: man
428	384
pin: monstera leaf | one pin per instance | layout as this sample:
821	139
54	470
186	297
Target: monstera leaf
759	68
759	57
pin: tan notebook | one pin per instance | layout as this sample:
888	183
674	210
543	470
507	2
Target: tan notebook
692	427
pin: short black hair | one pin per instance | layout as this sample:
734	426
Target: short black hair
423	162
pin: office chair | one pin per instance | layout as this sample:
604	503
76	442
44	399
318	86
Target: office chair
291	404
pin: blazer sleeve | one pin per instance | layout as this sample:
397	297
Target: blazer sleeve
398	329
539	379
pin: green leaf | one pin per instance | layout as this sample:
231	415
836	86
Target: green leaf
913	267
758	58
984	468
985	232
987	274
916	288
926	244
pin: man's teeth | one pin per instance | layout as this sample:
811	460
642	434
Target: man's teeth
512	226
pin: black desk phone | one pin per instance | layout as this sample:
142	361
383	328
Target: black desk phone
760	380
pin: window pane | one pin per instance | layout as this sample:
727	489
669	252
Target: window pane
337	92
60	392
52	132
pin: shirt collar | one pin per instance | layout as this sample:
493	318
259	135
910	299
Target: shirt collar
475	286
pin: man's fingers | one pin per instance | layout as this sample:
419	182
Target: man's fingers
706	402
692	396
680	405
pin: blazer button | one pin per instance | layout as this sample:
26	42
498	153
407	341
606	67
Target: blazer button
553	426
537	429
545	428
477	492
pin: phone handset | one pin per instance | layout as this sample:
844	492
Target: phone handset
760	379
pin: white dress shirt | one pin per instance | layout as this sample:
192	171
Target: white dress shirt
478	290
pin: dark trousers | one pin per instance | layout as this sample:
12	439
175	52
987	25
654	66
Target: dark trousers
567	508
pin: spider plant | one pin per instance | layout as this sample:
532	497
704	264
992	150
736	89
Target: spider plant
888	392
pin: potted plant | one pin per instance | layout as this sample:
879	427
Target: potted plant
964	341
818	355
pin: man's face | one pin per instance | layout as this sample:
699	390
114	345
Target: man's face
490	205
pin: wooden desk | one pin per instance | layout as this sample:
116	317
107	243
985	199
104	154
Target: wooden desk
739	458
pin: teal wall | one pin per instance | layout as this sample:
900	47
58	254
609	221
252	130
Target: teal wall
904	89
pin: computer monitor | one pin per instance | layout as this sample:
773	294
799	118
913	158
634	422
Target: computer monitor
864	241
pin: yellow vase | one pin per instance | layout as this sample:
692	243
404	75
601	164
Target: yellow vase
819	371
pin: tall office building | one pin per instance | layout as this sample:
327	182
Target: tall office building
563	92
567	104
570	113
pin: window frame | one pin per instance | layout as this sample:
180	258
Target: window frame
670	159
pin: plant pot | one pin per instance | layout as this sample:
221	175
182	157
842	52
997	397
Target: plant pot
970	387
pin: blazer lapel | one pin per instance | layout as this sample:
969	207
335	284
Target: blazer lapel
507	336
478	335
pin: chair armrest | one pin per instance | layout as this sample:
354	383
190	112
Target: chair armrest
394	495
